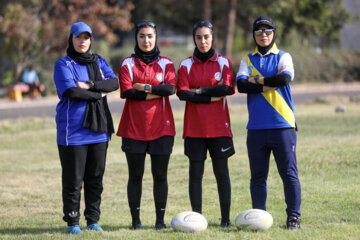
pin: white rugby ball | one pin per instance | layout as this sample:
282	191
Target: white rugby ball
254	219
189	222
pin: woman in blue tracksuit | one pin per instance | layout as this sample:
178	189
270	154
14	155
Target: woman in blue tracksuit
265	76
84	126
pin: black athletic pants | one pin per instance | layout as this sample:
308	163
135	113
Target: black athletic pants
221	171
84	163
159	167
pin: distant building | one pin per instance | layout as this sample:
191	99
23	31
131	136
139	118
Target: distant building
350	32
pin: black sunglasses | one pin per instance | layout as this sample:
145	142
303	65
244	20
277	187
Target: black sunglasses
261	31
203	24
145	24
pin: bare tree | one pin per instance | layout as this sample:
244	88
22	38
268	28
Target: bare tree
207	9
230	28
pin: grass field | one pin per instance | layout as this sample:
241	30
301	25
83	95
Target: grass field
328	161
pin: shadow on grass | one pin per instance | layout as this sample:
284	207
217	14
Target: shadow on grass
63	229
108	228
41	230
219	228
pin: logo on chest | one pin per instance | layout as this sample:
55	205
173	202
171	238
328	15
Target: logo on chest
250	68
159	77
217	76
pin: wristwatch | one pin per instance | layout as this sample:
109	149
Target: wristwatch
147	88
91	84
256	78
197	91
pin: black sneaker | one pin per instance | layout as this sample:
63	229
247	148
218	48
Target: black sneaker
160	225
136	225
226	224
293	223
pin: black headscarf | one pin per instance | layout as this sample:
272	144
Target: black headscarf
264	20
204	56
97	116
146	57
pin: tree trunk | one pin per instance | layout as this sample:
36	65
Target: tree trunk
207	10
230	28
246	35
246	39
18	69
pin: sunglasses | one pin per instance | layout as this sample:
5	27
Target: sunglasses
203	24
145	24
261	31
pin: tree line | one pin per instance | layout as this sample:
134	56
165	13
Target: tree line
32	31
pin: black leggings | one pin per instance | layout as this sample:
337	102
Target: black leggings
82	164
221	171
159	166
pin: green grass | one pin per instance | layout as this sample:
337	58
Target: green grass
328	161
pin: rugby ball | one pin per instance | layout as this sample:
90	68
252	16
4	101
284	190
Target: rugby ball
254	219
189	222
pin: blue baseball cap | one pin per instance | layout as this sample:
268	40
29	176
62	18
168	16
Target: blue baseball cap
80	27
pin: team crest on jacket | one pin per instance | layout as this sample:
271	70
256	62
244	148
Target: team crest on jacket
159	77
250	68
217	76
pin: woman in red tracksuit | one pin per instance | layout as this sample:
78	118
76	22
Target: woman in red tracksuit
204	80
147	123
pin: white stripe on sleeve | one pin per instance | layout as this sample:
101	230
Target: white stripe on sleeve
286	64
243	69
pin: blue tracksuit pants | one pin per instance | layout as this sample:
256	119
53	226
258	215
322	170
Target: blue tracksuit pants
282	142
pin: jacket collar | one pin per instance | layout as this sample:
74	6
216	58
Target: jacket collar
214	58
139	62
273	50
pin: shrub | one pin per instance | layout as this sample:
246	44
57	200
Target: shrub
326	66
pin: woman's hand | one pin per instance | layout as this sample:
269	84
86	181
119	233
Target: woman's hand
216	99
267	88
150	96
198	90
141	87
259	81
83	85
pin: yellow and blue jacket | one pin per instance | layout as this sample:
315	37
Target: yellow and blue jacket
275	108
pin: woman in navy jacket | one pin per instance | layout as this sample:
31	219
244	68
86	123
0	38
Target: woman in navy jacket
84	126
265	76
